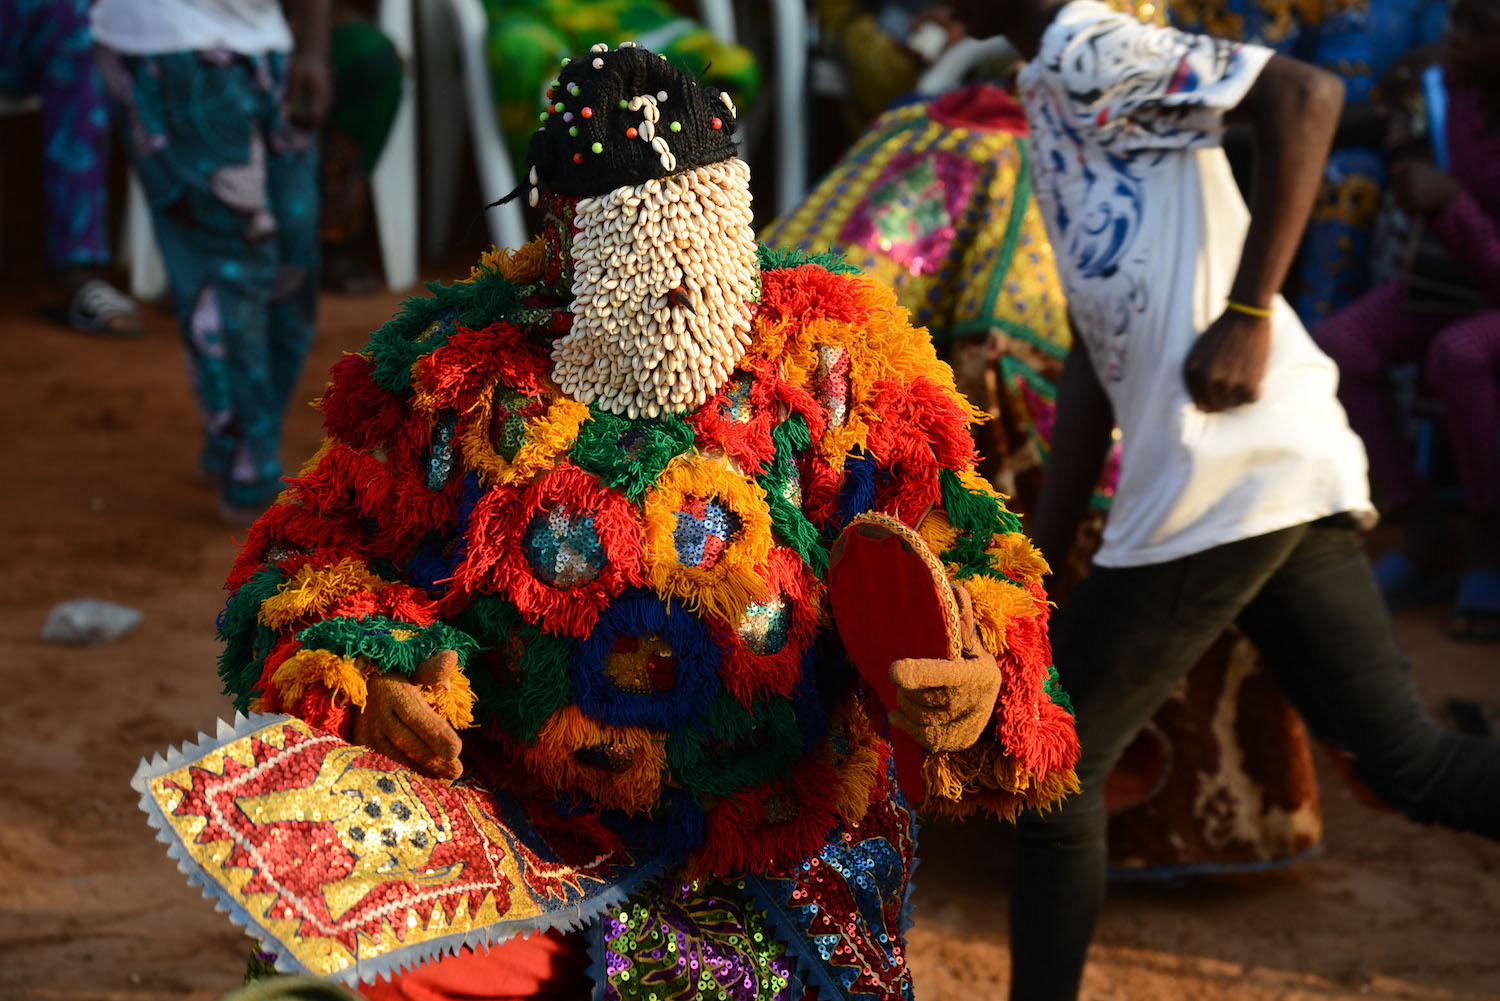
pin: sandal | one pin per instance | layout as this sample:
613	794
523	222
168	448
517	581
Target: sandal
101	309
1476	611
1402	585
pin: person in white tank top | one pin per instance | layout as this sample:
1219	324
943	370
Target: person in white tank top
1241	484
218	103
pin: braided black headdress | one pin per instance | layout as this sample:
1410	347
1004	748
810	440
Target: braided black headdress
623	117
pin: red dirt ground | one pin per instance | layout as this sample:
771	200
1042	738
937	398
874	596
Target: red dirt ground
102	499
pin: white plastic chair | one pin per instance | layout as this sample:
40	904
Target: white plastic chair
789	42
393	182
960	58
393	186
449	28
138	249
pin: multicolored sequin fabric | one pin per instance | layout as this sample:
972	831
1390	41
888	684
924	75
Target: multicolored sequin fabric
704	528
354	866
563	548
692	940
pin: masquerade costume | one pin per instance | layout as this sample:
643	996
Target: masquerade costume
606	470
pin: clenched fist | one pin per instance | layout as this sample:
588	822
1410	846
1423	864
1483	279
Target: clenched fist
397	722
946	705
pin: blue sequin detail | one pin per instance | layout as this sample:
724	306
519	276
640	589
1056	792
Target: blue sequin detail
737	400
700	538
764	628
563	549
440	453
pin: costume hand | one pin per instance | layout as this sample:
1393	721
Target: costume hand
397	722
1421	188
946	705
1225	367
309	89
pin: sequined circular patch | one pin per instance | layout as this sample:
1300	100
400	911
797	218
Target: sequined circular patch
736	406
642	665
563	547
832	380
765	627
509	415
704	528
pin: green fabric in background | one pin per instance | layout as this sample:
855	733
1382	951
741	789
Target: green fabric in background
529	38
367	75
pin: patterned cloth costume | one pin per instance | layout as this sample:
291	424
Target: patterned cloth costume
233	189
619	516
46	49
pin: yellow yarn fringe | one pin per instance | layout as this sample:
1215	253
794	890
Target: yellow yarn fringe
728	587
343	676
524	264
860	769
311	593
962	783
1017	558
453	701
938	533
547	437
996	605
885	346
550	759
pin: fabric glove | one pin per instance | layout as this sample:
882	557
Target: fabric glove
946	705
397	722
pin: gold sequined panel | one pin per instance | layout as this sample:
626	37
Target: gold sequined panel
339	857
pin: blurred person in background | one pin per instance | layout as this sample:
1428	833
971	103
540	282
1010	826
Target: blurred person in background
1455	335
219	109
1241	483
46	49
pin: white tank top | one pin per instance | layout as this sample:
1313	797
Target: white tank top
153	27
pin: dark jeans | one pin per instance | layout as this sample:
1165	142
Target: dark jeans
1307	599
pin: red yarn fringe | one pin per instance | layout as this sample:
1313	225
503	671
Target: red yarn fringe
356	409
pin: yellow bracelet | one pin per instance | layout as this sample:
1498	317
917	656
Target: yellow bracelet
1256	311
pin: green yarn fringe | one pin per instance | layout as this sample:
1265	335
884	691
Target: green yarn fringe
423	324
776	258
787	520
632	470
242	658
705	759
978	518
372	638
542	666
1054	690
